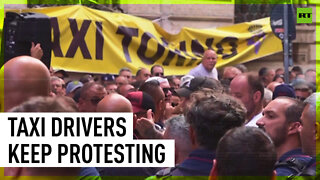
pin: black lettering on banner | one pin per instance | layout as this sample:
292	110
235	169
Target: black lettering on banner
181	59
128	33
232	42
184	49
78	39
116	150
119	124
99	41
56	37
144	46
197	48
209	43
56	131
13	154
161	154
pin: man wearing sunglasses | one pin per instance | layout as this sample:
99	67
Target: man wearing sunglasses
157	70
91	94
207	66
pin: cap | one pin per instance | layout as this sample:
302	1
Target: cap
197	83
141	101
63	72
283	90
73	85
185	80
107	77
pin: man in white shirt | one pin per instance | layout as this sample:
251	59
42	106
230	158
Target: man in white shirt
249	90
207	66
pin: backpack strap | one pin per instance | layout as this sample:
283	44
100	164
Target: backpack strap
300	168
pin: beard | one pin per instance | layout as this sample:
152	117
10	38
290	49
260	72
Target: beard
280	135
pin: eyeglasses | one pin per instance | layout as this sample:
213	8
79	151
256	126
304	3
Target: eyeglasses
158	74
147	75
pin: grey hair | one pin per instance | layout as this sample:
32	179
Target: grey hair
312	101
124	69
177	126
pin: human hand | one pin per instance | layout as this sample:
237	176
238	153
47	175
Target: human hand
146	127
36	51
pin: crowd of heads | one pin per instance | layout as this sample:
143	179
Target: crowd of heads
198	112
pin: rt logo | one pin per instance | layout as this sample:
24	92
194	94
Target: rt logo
304	15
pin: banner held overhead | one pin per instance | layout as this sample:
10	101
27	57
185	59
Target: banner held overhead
88	40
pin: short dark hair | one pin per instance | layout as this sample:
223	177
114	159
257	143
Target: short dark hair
151	87
255	84
151	70
138	72
47	104
87	86
212	116
245	151
294	111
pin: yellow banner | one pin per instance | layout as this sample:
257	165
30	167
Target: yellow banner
88	40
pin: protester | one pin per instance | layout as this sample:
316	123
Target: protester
281	121
266	75
157	70
207	66
209	118
143	74
44	104
244	153
155	91
178	129
126	72
58	86
248	88
24	77
125	89
91	94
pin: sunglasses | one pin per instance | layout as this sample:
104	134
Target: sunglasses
166	90
95	100
158	74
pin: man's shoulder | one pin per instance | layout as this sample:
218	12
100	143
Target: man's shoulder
294	163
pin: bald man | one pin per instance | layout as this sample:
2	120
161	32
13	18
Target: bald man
24	77
114	103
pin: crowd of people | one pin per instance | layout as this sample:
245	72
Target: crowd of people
233	125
